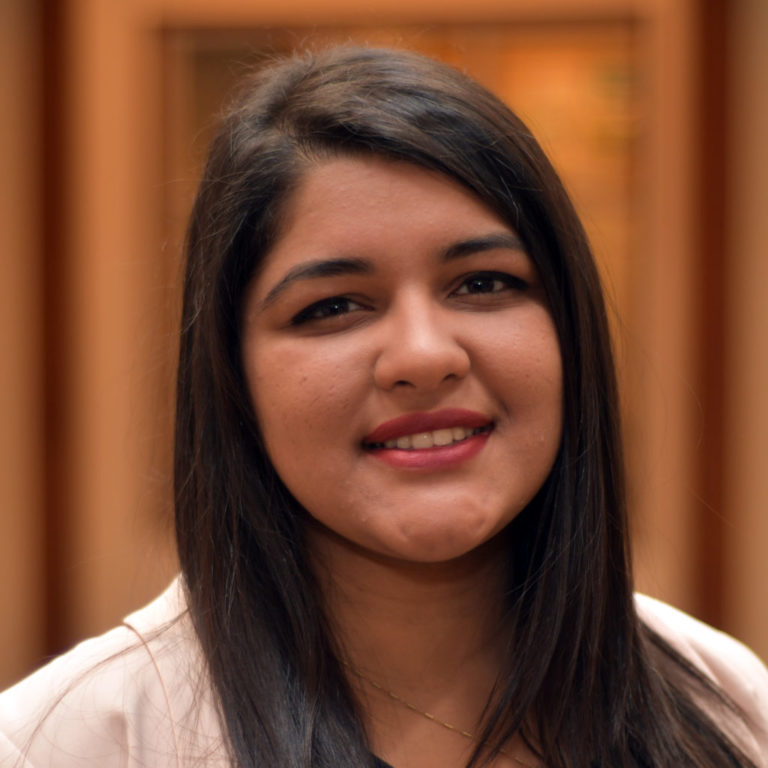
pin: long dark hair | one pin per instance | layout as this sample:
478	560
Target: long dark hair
580	671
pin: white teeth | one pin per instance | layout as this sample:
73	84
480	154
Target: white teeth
439	437
425	440
442	436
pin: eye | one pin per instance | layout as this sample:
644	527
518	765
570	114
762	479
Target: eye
331	307
489	282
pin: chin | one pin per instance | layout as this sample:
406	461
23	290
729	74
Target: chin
434	547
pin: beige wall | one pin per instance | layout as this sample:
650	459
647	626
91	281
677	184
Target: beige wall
21	365
747	330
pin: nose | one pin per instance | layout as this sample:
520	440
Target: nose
420	349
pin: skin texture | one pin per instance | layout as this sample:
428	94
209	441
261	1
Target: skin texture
408	330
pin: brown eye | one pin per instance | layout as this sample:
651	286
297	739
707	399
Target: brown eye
331	307
489	282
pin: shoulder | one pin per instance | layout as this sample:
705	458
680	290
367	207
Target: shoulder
133	696
739	673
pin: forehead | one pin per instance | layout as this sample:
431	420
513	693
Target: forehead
357	202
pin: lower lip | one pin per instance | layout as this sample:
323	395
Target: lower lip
437	457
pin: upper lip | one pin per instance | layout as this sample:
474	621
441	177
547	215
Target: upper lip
414	423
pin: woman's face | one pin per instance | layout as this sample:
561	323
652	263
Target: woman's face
403	365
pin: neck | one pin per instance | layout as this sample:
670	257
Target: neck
414	626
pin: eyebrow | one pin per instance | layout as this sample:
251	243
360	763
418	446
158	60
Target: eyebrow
491	242
314	269
357	266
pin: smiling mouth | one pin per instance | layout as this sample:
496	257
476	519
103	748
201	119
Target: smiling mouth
436	438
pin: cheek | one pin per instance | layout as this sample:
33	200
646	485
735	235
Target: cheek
299	399
522	361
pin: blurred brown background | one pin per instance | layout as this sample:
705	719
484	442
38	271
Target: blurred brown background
654	111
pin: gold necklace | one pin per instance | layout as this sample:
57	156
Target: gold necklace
400	700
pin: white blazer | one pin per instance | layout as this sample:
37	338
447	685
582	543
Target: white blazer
138	695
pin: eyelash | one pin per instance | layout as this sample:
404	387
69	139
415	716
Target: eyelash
508	281
323	309
332	306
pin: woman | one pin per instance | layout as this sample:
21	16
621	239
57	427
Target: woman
399	492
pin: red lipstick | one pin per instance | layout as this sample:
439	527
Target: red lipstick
413	423
435	457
